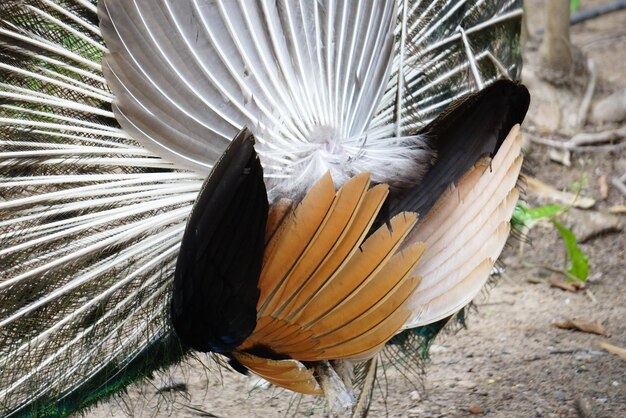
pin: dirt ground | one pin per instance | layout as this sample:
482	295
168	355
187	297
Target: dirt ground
511	361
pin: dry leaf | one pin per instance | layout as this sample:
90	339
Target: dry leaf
613	349
584	325
547	192
618	209
604	187
565	285
476	409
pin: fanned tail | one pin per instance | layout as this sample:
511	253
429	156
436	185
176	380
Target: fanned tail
445	50
96	142
90	222
304	77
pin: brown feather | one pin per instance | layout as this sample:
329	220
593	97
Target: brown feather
288	374
338	296
344	251
363	307
347	244
374	254
343	337
364	265
335	224
370	342
375	292
280	253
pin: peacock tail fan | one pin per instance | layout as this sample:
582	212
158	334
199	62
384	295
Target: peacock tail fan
111	380
100	168
90	222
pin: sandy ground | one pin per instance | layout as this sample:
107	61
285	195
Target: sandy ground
511	361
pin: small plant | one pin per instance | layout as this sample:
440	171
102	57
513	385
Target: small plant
578	262
578	268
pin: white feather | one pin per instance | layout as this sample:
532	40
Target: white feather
300	75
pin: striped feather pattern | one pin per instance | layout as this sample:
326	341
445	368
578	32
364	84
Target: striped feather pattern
464	234
305	77
326	292
90	221
445	50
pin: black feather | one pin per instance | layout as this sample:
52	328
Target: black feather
466	131
217	271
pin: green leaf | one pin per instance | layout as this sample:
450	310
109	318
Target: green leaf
574	5
528	217
579	263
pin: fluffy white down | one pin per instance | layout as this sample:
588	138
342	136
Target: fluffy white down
400	162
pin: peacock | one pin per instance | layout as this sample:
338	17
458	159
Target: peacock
295	186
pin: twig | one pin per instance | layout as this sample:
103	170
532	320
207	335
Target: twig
597	11
506	302
613	349
554	270
619	185
592	13
571	147
199	411
545	191
562	351
591	296
603	39
583	111
589	138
